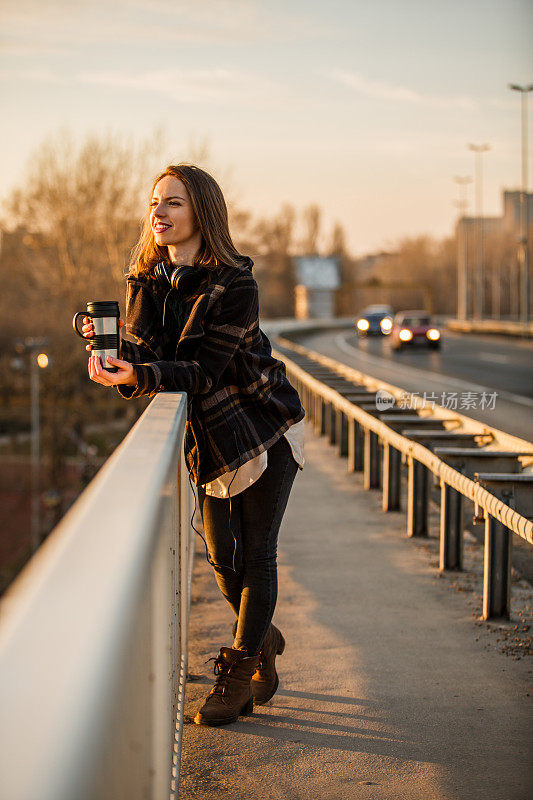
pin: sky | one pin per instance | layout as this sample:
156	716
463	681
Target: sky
365	107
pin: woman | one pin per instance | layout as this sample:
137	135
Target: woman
192	307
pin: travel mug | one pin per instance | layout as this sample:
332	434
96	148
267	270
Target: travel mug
104	315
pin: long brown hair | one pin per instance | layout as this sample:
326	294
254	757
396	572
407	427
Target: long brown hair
211	215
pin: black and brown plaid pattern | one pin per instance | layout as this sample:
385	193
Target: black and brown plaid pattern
240	399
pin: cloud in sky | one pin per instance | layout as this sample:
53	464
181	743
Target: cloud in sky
198	86
28	49
34	75
401	94
67	24
216	87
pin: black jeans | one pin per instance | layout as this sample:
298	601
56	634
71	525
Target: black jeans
256	514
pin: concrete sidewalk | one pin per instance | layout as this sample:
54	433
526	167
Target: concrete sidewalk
388	687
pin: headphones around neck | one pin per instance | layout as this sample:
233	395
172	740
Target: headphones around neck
185	279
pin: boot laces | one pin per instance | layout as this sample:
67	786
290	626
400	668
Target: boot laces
222	670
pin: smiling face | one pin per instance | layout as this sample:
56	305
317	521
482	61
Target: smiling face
172	217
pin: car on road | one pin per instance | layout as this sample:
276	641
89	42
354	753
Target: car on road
411	328
375	321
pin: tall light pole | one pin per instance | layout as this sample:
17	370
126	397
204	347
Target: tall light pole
38	360
479	149
462	248
524	221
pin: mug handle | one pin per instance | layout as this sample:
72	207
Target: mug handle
75	321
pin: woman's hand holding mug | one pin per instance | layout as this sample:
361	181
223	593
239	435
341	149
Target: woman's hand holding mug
88	330
125	373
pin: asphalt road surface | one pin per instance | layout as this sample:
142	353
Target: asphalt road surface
491	376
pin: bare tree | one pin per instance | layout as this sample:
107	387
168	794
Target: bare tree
276	234
273	240
312	219
66	237
80	207
337	243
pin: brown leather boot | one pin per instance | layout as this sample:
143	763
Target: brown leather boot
231	695
265	680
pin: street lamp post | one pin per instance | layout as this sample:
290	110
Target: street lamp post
479	149
462	249
38	360
524	221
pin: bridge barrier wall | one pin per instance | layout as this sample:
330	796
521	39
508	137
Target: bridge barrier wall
93	633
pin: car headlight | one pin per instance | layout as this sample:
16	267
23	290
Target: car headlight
362	324
405	335
433	334
386	325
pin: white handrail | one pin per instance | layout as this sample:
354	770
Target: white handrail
93	655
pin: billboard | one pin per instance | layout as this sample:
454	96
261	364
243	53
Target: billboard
316	272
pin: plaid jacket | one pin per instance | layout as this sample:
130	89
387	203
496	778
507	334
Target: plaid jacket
240	400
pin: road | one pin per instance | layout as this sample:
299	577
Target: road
464	364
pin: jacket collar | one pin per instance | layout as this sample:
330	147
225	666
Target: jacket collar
219	279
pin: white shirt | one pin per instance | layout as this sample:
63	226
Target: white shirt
250	471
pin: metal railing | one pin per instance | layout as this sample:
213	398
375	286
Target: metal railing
341	403
93	634
495	326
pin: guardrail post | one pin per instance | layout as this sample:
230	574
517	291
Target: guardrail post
497	569
359	448
371	460
379	466
451	528
355	446
417	498
391	477
313	407
319	415
304	392
332	424
515	492
327	418
342	433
